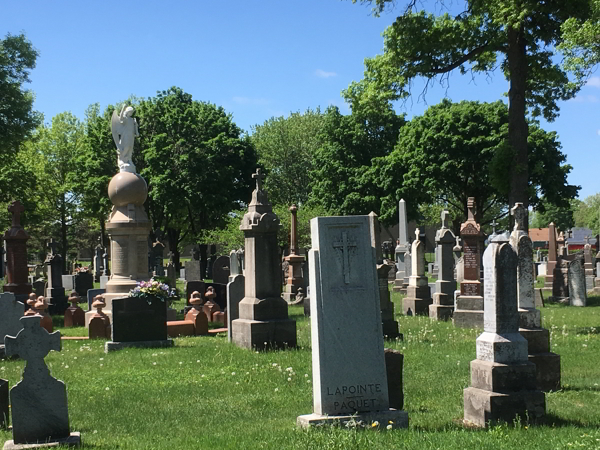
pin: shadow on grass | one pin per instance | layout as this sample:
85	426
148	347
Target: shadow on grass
552	420
593	300
580	389
588	330
58	321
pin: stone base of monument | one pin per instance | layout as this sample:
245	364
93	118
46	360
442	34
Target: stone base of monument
412	306
530	318
264	334
73	440
546	362
399	285
393	417
468	311
112	346
441	312
484	408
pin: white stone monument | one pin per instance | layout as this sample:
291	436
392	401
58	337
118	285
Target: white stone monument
418	292
349	372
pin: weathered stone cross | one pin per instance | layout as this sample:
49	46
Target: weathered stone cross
259	178
32	344
520	214
345	246
494	224
52	246
16	208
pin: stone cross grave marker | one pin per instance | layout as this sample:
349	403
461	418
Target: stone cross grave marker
39	401
349	373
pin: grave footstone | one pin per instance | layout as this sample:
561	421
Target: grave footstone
138	323
577	290
263	321
468	308
39	401
445	285
418	294
349	372
503	382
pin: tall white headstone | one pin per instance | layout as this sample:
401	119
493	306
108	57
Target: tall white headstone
349	374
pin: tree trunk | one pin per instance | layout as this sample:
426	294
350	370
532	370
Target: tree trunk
517	124
63	229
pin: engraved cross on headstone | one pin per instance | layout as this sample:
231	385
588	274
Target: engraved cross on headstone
344	245
16	208
520	214
259	178
32	344
494	224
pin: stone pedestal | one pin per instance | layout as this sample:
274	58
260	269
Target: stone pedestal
295	279
503	381
263	315
128	228
16	237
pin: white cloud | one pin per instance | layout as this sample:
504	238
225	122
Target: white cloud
585	99
250	101
594	82
323	74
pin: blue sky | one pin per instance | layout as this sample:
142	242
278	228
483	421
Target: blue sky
257	59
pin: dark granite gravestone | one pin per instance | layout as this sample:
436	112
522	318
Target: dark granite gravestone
91	294
220	270
134	320
211	261
83	281
202	252
1	261
39	287
55	292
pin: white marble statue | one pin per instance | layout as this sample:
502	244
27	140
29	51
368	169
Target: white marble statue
124	130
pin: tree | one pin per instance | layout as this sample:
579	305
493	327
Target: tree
285	148
587	213
17	118
562	216
51	155
524	33
197	163
456	151
95	165
340	180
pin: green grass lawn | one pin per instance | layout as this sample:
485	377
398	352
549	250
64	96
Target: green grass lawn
208	394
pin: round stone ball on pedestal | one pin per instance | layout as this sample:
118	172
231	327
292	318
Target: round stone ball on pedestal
127	188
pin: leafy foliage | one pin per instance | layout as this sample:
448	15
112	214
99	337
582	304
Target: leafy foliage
587	213
286	148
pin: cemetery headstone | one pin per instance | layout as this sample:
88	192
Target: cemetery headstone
560	279
39	287
137	322
263	321
11	312
235	294
445	285
503	382
418	293
91	296
192	270
39	401
4	403
389	326
221	270
15	240
171	271
1	261
576	277
158	254
41	308
552	256
468	308
295	261
538	338
74	315
99	326
589	264
55	292
349	372
83	281
235	267
401	249
98	269
67	282
211	261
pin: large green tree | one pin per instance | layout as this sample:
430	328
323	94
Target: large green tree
458	150
563	216
518	36
587	213
286	148
197	162
341	179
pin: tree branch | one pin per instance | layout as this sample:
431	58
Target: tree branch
473	53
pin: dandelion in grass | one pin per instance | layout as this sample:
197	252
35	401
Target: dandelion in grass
107	388
305	375
67	366
276	389
101	359
197	360
389	427
289	379
153	363
232	373
180	362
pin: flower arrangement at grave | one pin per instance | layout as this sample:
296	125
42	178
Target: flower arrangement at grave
84	269
151	289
